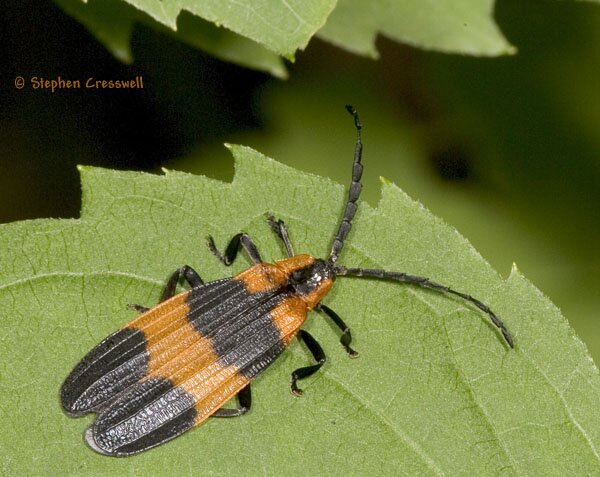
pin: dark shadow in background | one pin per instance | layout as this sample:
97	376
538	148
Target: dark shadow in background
188	97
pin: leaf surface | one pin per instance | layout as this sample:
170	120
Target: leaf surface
459	26
254	34
282	26
112	23
435	390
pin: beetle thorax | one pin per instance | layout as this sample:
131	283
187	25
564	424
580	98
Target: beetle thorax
308	277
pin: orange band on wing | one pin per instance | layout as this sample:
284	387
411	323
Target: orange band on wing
224	386
169	337
179	353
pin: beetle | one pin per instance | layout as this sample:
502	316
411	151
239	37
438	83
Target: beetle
177	363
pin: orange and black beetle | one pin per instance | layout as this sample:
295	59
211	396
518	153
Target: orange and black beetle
176	364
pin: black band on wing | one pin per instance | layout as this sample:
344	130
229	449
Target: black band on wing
241	331
146	415
89	385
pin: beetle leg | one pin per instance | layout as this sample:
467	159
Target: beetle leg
188	274
239	240
138	308
346	338
278	226
245	401
318	354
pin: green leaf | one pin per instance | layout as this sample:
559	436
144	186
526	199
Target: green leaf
282	27
459	26
228	46
112	22
254	34
435	390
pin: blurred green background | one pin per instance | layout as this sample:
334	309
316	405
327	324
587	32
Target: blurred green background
505	149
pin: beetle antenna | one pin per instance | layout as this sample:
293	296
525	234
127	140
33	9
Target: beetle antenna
353	192
426	283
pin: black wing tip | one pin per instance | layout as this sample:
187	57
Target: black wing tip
71	412
69	401
107	369
125	450
92	444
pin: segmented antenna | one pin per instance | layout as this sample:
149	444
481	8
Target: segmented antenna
353	192
426	283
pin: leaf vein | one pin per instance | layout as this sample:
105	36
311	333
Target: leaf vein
42	276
